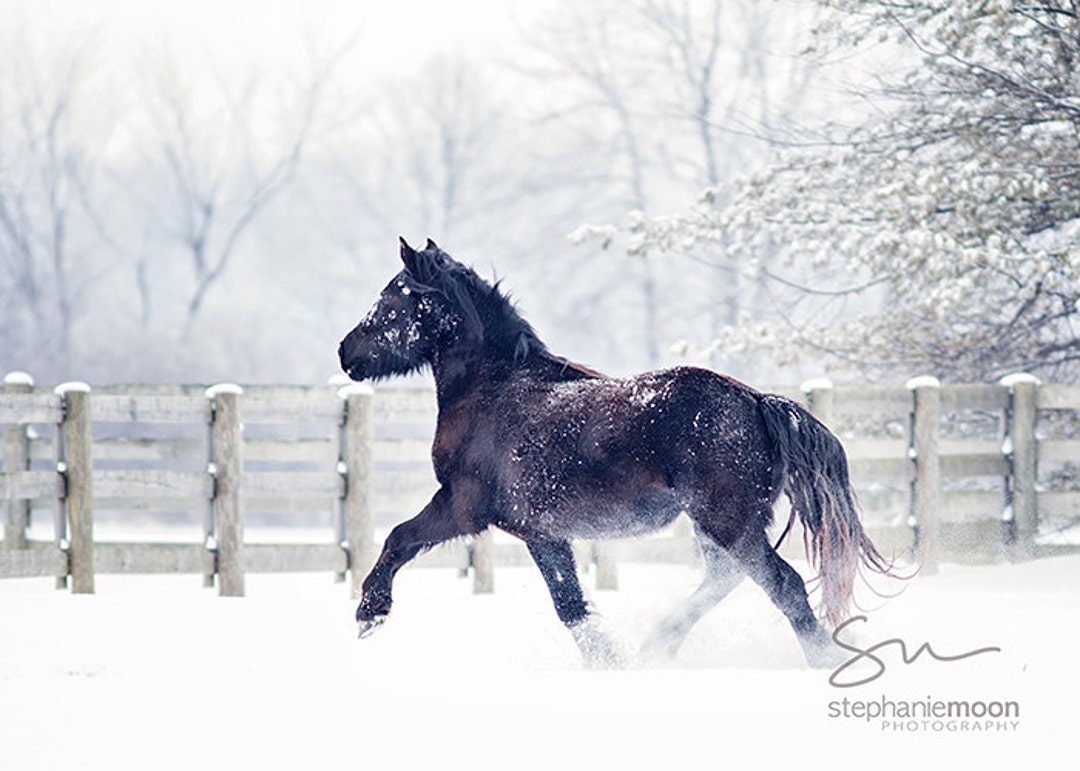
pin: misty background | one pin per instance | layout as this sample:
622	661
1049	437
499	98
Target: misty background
214	191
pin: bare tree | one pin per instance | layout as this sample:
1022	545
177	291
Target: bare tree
225	161
694	46
591	52
49	225
683	94
440	131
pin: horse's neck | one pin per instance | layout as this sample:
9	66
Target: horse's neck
456	375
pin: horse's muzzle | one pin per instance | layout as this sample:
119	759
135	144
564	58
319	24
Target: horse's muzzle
349	361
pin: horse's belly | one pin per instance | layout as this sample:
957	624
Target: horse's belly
595	517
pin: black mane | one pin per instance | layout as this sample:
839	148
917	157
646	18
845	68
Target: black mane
487	313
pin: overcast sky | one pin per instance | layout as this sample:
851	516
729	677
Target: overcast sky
390	35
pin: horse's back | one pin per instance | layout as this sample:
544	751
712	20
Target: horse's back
644	416
591	456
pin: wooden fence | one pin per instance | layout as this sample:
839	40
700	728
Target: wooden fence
169	452
954	472
965	472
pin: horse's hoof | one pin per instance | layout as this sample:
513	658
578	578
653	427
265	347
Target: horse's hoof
368	627
823	655
662	645
597	649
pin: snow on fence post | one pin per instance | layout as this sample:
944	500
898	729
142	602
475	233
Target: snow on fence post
1022	452
356	464
819	398
76	466
926	493
16	458
227	466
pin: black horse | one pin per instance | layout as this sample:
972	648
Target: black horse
551	451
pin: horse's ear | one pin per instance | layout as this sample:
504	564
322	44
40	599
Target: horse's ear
440	258
408	255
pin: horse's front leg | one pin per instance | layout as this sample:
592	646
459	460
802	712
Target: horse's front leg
432	526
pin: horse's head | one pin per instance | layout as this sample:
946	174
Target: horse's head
418	313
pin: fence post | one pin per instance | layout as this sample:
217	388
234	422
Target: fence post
819	398
209	534
60	524
607	565
483	563
1022	452
227	468
605	554
356	463
77	469
16	458
926	494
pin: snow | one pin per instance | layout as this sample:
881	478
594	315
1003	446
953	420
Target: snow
157	672
923	381
1018	378
815	384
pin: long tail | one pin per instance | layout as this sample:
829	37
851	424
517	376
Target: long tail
815	478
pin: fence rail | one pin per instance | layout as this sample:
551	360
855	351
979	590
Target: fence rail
955	472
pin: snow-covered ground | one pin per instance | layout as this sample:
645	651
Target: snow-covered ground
159	673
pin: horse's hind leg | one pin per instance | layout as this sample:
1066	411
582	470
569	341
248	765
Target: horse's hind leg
786	589
556	562
722	574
